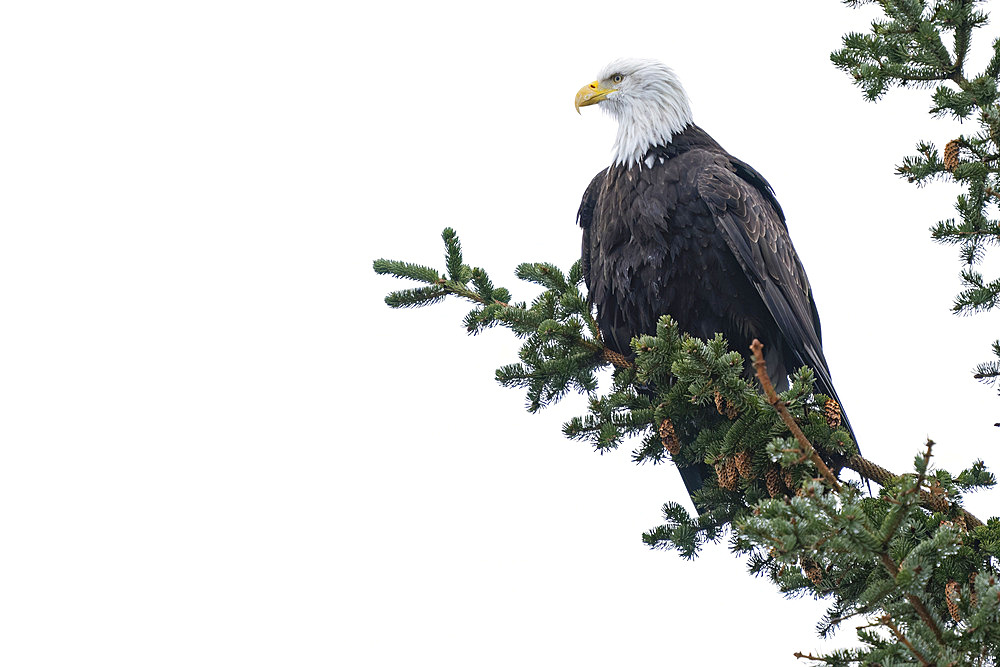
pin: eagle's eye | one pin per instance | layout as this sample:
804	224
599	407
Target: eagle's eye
617	78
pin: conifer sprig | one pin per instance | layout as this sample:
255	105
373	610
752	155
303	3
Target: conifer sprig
923	43
561	349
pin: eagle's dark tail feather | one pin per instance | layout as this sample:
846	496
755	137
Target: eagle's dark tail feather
694	475
694	478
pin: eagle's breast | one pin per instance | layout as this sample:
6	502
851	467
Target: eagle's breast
662	254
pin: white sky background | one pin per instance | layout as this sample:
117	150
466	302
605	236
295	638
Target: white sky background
221	447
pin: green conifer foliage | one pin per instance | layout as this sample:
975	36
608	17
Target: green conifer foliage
921	43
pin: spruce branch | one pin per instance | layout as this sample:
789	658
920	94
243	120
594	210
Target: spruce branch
884	477
897	516
907	48
887	622
990	371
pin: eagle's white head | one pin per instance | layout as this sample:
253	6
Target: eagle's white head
646	99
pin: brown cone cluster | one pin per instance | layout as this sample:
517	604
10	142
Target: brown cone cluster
725	407
744	465
831	410
772	479
951	594
669	437
728	474
951	155
812	570
733	471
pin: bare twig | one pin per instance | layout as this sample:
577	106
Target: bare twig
917	603
772	397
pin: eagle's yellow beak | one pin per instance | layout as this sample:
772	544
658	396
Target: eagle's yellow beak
592	93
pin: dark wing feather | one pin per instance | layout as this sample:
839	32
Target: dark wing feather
585	217
754	228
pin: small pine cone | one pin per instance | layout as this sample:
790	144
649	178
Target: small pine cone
813	571
972	588
733	470
724	407
720	403
832	413
960	522
951	598
951	155
772	478
669	437
729	477
744	465
788	479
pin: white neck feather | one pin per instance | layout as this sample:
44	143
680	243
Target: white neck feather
650	107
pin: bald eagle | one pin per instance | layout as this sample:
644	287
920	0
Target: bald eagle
678	226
